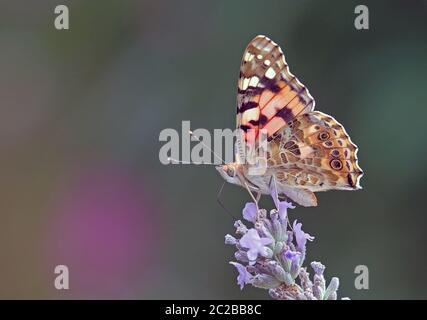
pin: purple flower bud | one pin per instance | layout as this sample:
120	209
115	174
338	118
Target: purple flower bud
332	289
275	294
267	253
276	270
265	281
240	227
319	286
263	228
302	296
306	283
278	231
229	239
296	267
289	237
333	296
241	256
244	276
317	292
278	248
292	255
318	267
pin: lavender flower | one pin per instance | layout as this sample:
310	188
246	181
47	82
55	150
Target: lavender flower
300	236
249	212
283	209
255	245
271	257
244	276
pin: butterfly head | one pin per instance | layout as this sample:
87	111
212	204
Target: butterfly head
229	172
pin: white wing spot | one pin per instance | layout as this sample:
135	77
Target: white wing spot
245	84
267	62
248	56
259	56
270	73
254	81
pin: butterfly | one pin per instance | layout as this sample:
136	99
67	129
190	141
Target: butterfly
306	151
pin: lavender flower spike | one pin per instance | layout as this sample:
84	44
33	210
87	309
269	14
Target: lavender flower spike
271	257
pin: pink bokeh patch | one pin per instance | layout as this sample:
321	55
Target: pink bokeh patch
102	228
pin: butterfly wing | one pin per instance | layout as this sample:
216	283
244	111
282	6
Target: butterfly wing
314	153
269	95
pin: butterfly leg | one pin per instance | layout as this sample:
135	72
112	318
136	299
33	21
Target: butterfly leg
275	196
218	199
273	191
255	199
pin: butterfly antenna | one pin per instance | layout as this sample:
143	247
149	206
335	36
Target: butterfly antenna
206	146
218	199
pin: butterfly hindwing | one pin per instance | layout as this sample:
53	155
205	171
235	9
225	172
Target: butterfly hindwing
314	152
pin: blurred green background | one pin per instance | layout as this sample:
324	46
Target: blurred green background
80	115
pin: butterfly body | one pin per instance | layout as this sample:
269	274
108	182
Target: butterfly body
307	151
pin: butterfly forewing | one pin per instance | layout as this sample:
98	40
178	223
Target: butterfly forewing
269	95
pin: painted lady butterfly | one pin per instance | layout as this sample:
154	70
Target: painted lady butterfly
307	151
